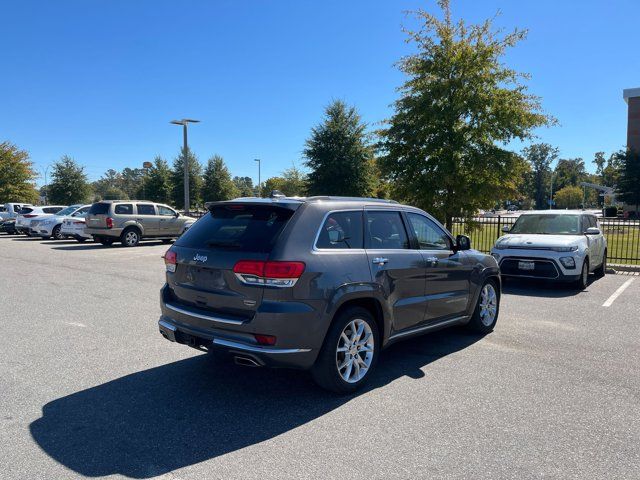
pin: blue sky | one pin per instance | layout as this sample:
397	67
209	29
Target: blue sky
100	80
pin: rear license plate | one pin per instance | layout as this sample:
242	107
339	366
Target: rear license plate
526	265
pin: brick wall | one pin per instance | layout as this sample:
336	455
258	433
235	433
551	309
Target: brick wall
633	125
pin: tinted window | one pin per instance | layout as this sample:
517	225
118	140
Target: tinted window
145	209
341	230
386	230
245	228
26	210
52	209
429	235
99	209
124	209
165	211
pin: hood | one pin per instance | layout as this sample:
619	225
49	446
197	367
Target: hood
533	241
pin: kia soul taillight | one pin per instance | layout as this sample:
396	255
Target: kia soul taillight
268	273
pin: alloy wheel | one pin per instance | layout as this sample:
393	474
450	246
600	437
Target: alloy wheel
355	350
488	305
131	238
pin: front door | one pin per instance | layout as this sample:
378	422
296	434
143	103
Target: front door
447	275
395	267
148	219
170	224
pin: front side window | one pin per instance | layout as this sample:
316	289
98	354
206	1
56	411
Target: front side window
341	230
165	211
385	230
124	209
66	211
144	209
429	235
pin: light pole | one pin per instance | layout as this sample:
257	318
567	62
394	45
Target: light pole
551	192
184	122
259	179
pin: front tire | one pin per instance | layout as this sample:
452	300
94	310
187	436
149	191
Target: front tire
56	233
487	309
583	280
349	353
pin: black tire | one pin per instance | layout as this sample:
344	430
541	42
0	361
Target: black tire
81	239
582	282
325	371
166	241
480	323
130	237
602	269
56	233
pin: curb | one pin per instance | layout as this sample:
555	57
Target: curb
625	268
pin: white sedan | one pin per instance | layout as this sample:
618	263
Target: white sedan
559	245
51	226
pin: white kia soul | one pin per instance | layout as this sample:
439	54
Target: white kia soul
560	245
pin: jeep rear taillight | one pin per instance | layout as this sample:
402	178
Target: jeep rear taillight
272	274
170	260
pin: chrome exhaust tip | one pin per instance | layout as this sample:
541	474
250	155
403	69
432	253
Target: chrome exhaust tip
245	361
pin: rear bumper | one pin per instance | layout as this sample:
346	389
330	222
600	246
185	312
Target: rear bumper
103	232
174	331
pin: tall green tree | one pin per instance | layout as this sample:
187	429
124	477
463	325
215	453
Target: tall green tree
600	162
338	155
629	178
69	183
569	172
16	175
444	147
132	179
569	197
540	156
217	181
245	186
158	186
109	186
195	179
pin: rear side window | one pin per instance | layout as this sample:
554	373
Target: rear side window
386	231
341	230
99	209
244	228
124	209
145	209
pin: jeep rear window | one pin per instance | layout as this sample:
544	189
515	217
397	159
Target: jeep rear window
99	209
244	228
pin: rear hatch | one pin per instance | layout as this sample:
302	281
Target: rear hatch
206	254
97	216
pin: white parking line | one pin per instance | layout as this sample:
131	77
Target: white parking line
617	293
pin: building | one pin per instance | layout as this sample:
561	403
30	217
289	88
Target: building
632	97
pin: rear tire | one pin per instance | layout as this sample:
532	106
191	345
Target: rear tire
130	237
602	269
349	353
582	282
107	242
487	308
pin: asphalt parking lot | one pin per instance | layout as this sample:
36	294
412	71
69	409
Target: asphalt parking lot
89	388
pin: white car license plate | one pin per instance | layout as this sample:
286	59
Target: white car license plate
526	265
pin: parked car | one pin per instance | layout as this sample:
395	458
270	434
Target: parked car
74	227
8	226
559	245
51	226
129	221
322	283
11	210
29	213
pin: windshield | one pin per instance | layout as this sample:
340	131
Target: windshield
67	211
548	224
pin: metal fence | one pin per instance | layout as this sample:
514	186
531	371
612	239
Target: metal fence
623	236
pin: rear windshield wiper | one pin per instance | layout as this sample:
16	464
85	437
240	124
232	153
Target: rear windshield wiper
215	243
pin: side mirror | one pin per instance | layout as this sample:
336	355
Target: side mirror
336	236
592	231
463	243
506	229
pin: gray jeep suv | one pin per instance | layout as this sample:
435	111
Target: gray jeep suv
129	221
321	283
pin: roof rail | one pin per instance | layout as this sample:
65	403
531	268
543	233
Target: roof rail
348	199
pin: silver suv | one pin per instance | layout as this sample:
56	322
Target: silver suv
129	221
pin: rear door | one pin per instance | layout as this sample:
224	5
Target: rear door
398	269
146	216
207	253
447	275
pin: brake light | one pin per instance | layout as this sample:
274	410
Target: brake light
29	216
273	274
265	339
109	221
78	223
170	260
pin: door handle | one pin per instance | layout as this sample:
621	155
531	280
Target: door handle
380	260
432	261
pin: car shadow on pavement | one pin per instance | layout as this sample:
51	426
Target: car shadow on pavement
540	288
168	417
76	246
